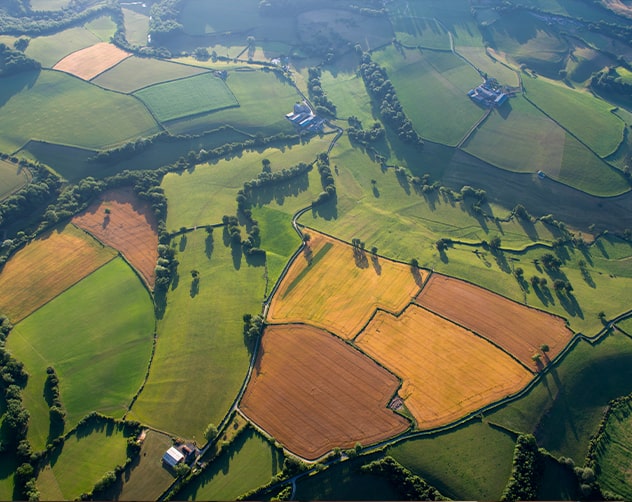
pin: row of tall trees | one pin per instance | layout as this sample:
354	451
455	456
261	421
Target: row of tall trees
322	104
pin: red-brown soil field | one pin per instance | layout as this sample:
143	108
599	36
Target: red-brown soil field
47	267
92	61
130	227
518	329
448	372
329	287
313	392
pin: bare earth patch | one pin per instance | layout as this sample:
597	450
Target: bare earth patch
92	61
313	392
130	227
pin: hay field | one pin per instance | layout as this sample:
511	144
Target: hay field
91	61
447	371
187	96
313	392
135	73
97	336
514	327
130	227
361	286
46	267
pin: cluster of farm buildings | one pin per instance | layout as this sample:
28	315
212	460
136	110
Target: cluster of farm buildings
488	94
175	455
304	118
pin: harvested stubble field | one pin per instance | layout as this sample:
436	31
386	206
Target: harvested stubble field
130	227
514	327
313	392
447	371
89	62
327	265
46	267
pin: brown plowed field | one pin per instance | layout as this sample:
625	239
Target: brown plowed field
313	392
47	267
130	227
448	372
328	287
518	329
92	61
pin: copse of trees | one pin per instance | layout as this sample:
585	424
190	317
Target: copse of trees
609	80
365	137
163	19
13	61
381	89
326	179
323	105
526	470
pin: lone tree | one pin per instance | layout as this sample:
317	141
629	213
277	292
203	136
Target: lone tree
544	347
210	432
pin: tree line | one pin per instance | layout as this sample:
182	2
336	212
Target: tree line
322	104
526	470
13	61
609	80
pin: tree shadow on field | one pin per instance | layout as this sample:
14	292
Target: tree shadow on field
195	287
376	264
183	243
419	280
15	84
236	252
209	245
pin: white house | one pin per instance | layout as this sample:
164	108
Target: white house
172	457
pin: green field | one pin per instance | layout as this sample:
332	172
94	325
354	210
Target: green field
249	462
471	463
187	96
507	137
602	133
263	102
348	92
480	58
613	459
50	49
558	482
585	10
8	465
12	177
83	460
626	325
53	106
134	73
201	334
566	407
48	4
211	188
433	86
100	358
419	31
103	28
136	27
200	17
147	479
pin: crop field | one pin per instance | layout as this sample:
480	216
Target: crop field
50	49
136	27
472	462
89	62
251	89
40	105
313	392
431	86
135	73
565	408
12	177
249	462
211	188
447	371
82	461
208	341
614	473
46	267
130	227
603	132
517	329
362	284
187	96
100	358
148	479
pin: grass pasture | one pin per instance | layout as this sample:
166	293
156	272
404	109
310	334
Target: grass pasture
515	328
89	62
100	358
313	392
472	462
447	371
12	177
483	60
50	49
415	31
103	27
83	460
130	227
348	92
71	163
207	341
362	284
565	408
135	73
136	27
55	107
431	86
602	133
187	96
198	17
247	463
46	267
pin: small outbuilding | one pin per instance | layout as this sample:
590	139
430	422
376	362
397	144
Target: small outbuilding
172	457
